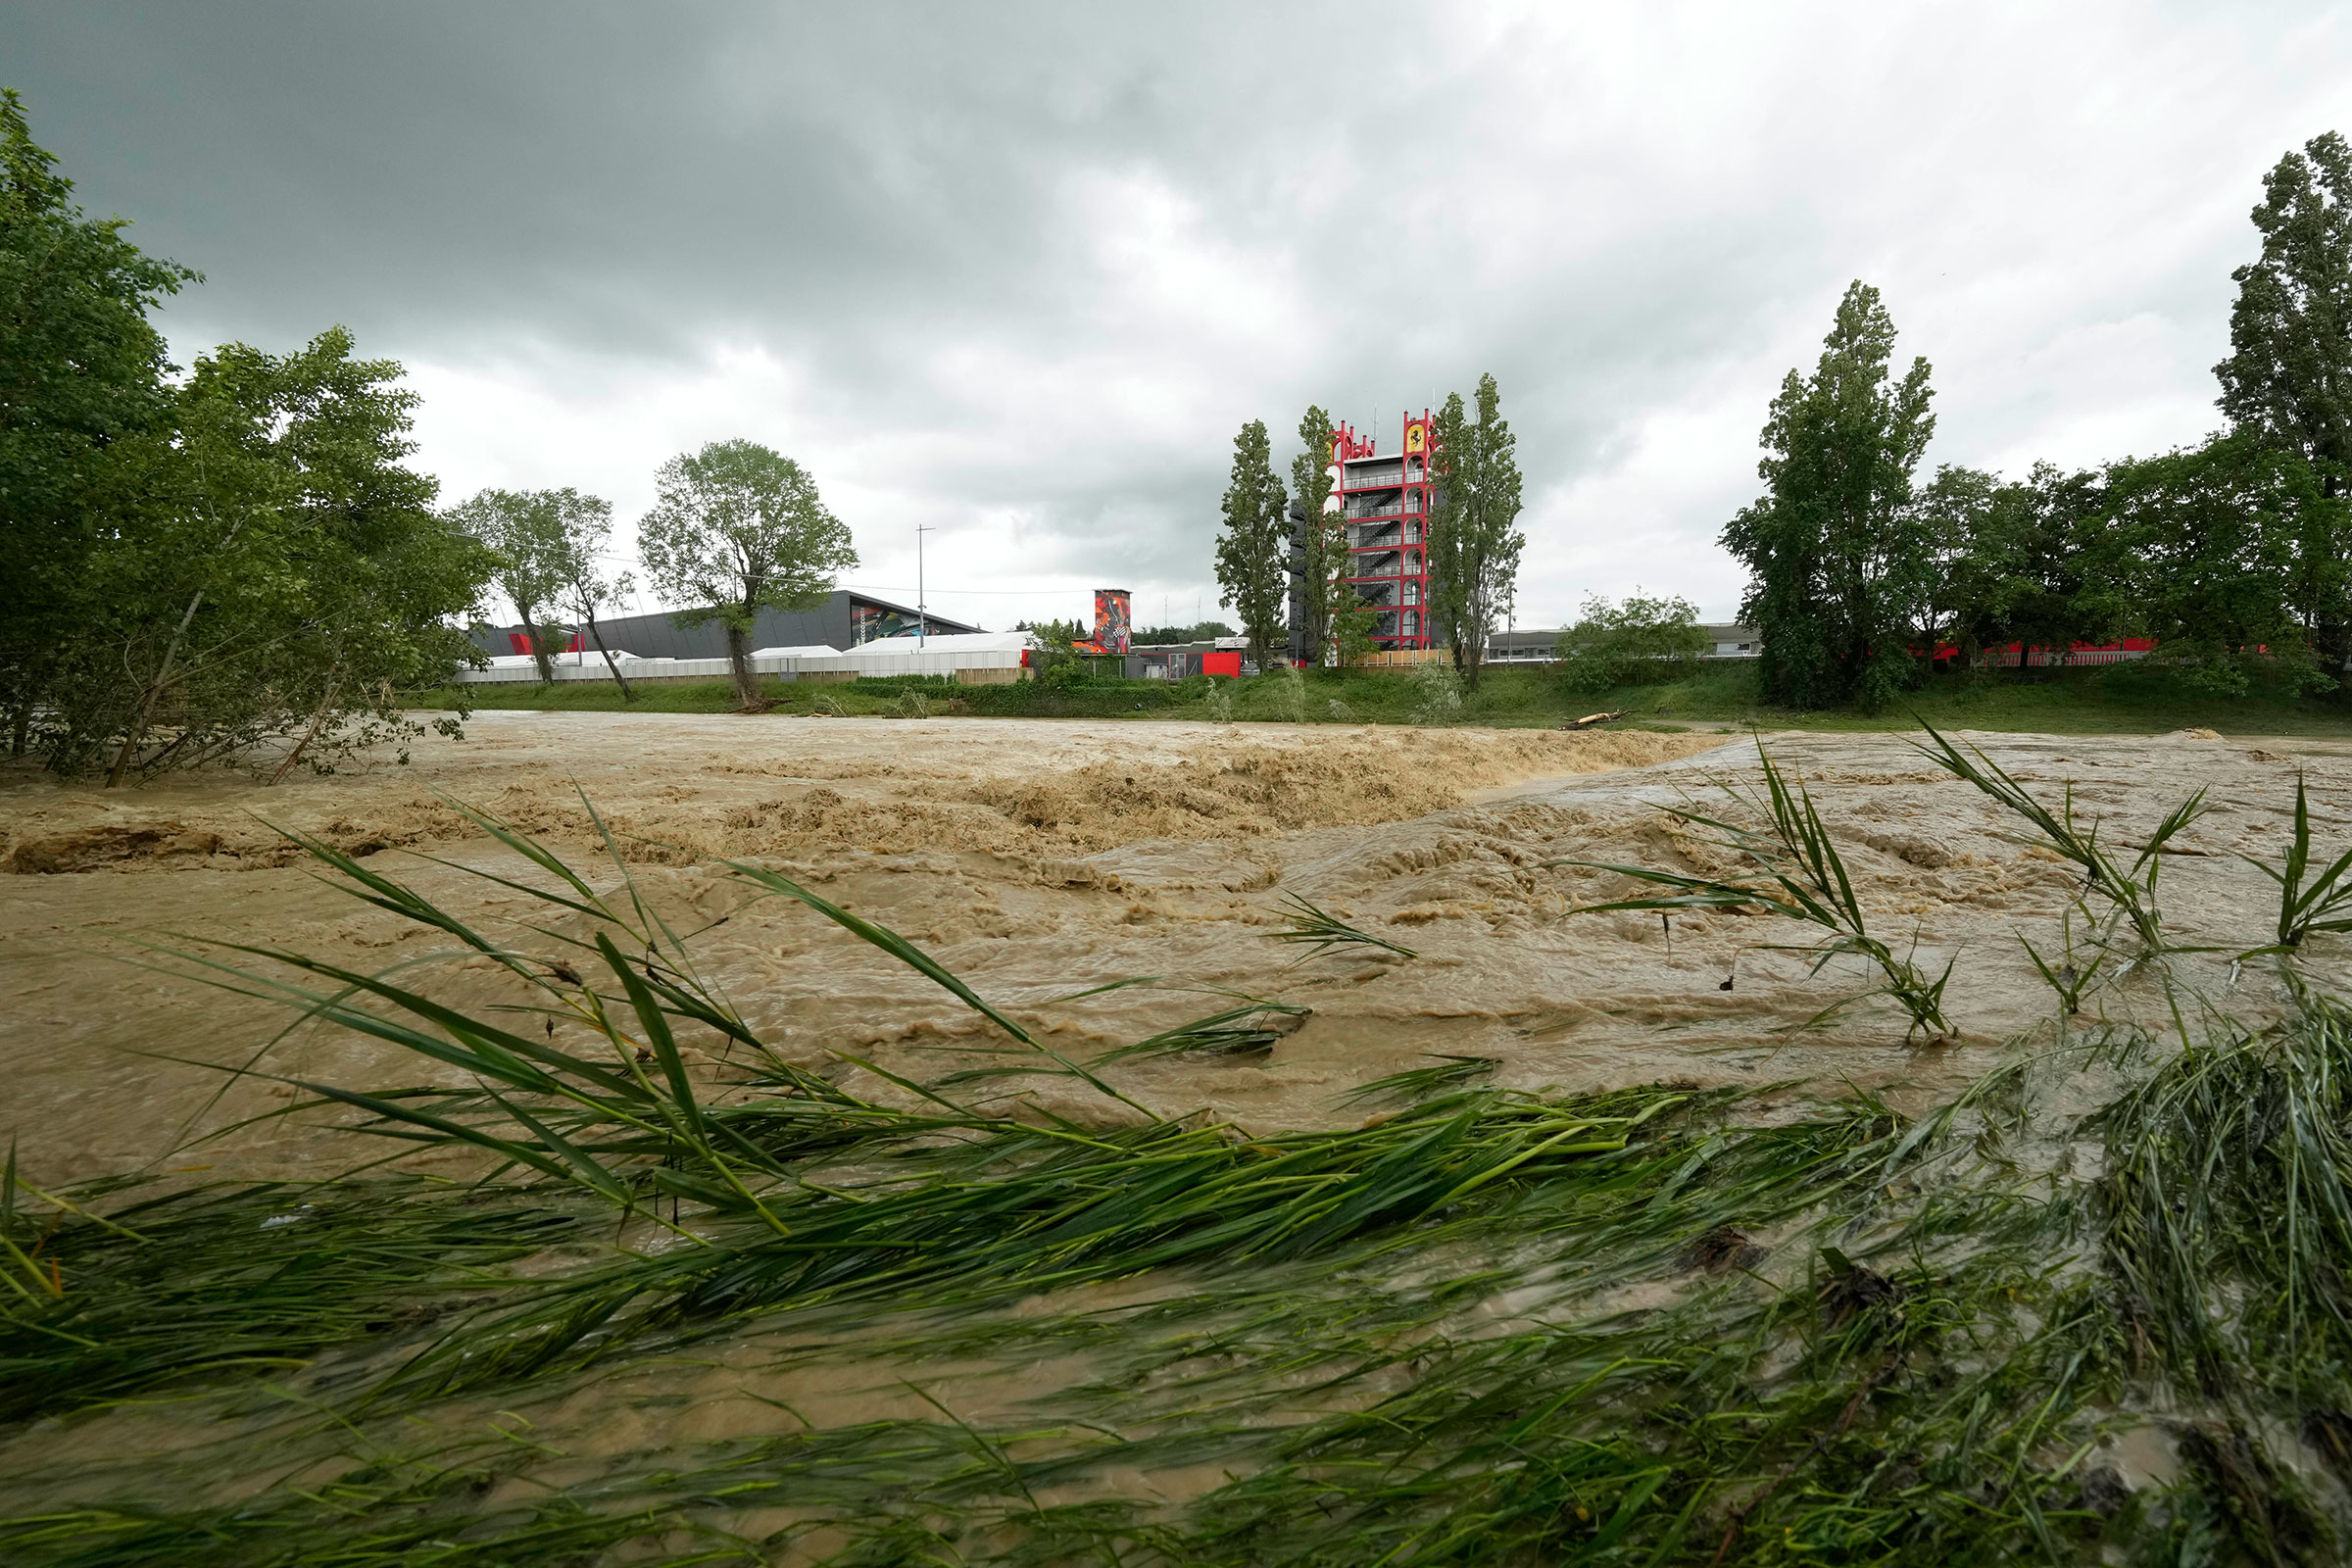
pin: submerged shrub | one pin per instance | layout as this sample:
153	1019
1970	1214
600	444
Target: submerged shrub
1437	692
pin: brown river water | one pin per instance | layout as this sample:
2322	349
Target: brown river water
1038	859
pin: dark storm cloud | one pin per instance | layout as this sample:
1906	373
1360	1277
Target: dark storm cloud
1020	271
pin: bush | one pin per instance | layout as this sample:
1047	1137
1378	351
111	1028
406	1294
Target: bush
1637	643
2185	669
1439	687
1054	658
1088	698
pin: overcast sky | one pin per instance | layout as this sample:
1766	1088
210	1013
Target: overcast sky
1018	272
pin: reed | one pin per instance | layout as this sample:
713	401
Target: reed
1320	932
1803	878
2075	974
2129	886
2307	902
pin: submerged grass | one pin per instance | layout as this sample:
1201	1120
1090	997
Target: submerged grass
2129	888
2308	902
1484	1327
1804	878
1320	932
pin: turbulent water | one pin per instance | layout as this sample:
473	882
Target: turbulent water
1039	859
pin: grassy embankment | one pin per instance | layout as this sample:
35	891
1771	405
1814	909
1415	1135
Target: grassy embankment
2115	699
1490	1326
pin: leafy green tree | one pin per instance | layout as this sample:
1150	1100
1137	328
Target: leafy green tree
2288	379
201	570
1053	657
1474	540
2229	553
739	528
1352	623
1974	523
1841	564
81	369
2028	561
1200	631
1252	551
584	529
1640	641
278	575
525	529
1322	553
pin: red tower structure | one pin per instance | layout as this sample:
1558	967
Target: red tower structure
1384	503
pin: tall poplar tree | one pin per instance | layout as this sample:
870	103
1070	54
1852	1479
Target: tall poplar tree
2288	377
1322	552
1253	549
1840	560
1474	540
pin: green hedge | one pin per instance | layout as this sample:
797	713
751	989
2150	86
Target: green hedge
1095	699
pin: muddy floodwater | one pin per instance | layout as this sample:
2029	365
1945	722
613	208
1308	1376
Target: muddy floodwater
1102	884
1038	859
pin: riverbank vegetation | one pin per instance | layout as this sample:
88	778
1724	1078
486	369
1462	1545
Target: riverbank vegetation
2232	555
2113	699
199	563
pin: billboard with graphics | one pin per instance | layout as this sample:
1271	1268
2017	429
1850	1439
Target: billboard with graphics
1113	631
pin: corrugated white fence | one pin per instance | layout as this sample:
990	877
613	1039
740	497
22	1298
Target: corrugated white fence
986	655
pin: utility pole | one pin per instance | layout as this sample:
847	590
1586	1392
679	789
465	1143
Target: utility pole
922	609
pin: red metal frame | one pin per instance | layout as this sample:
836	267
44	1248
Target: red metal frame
1416	443
2098	653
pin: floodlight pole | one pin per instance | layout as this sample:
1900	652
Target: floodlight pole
922	609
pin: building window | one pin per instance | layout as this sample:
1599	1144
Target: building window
1412	624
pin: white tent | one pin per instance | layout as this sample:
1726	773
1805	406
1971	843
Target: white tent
960	641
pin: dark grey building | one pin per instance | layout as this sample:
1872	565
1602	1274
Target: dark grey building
843	620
